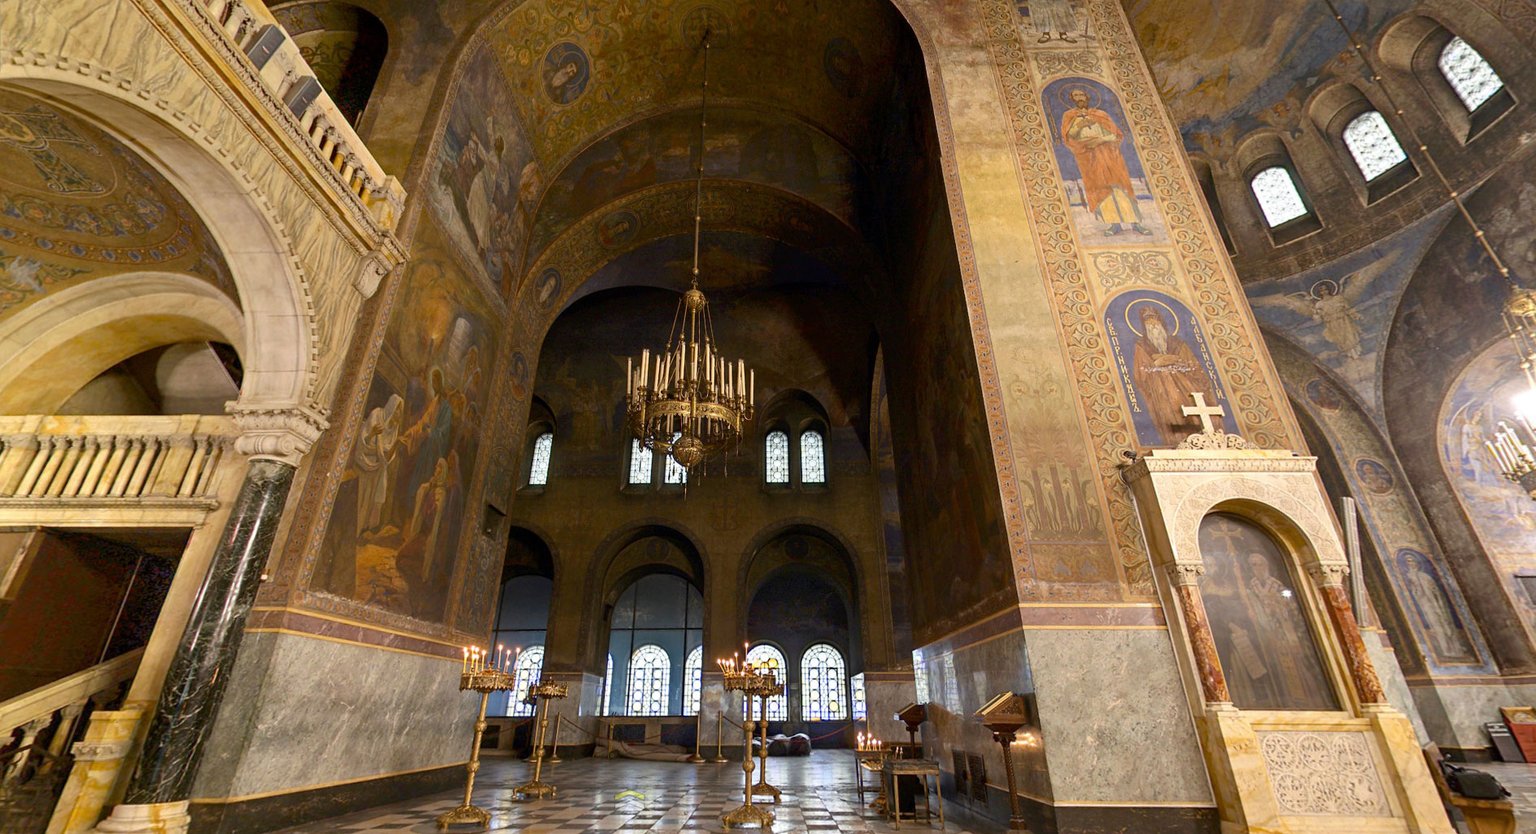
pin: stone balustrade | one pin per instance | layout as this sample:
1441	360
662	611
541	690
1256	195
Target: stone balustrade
105	460
258	46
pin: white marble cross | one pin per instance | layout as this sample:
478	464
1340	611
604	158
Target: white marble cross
1204	412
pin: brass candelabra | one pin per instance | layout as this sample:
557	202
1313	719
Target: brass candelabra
762	788
542	693
749	680
483	673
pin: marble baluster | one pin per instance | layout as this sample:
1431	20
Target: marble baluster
195	684
1330	580
1213	681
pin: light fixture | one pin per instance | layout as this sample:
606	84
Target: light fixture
687	399
1510	445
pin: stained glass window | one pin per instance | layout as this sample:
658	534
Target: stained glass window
822	677
675	472
650	676
602	708
538	471
639	464
525	674
860	704
920	676
778	458
1371	143
813	459
693	680
764	653
1278	195
1469	74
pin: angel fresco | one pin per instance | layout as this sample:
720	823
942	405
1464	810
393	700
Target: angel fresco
1331	304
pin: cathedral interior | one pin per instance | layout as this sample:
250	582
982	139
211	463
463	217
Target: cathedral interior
1144	441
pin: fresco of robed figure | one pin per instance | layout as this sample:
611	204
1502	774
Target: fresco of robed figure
1254	606
1162	359
1100	164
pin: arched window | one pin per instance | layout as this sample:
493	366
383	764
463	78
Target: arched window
639	464
525	674
693	680
538	469
1254	604
1278	195
822	676
813	459
776	468
766	654
1373	145
650	678
860	703
675	473
920	676
602	708
1468	73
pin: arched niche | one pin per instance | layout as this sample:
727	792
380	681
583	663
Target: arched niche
344	44
647	548
52	349
523	606
276	334
802	587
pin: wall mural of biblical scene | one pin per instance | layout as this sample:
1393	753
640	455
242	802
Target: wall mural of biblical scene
1340	313
1161	355
486	183
394	529
1062	23
1111	201
76	204
1499	510
1267	649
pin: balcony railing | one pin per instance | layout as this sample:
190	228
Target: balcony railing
260	48
110	458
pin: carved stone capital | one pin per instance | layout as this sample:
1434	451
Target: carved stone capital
1328	574
1183	573
284	435
100	751
1215	440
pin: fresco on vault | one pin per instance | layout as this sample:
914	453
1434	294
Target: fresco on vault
1161	356
486	181
1432	609
394	530
1106	186
76	203
1341	312
1499	510
755	147
1223	66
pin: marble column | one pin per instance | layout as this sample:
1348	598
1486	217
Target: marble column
1213	682
1330	580
157	797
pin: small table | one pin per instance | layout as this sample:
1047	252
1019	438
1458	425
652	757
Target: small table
922	769
872	761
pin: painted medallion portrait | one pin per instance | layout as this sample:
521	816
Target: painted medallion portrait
1161	356
1107	189
566	72
1374	476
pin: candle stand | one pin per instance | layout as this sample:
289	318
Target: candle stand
484	681
542	692
762	788
748	683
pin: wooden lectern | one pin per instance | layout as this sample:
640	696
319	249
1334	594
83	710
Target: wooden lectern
1005	715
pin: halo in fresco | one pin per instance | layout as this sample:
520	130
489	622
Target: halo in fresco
566	72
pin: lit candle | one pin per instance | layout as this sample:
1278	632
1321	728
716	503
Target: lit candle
752	388
629	375
463	668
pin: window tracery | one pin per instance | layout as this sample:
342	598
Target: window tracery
525	673
1373	145
1278	196
813	462
1469	73
776	469
538	470
764	654
822	674
650	677
639	464
693	680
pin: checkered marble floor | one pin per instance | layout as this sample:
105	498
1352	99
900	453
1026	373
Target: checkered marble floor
624	796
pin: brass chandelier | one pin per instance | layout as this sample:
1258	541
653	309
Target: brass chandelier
1510	446
687	399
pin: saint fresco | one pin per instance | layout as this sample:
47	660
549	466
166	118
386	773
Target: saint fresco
1266	647
1162	359
1106	185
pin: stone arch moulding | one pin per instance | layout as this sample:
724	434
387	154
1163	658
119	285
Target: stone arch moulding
301	270
50	349
1273	503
